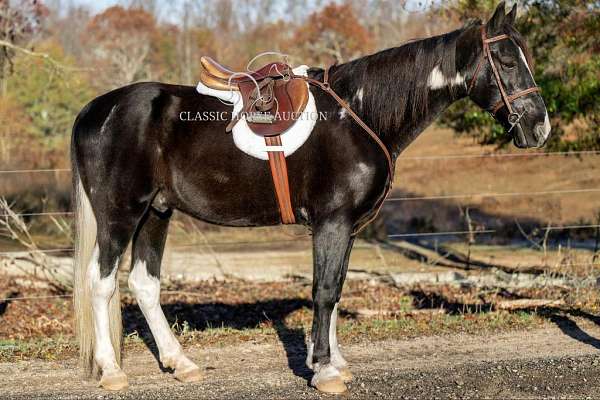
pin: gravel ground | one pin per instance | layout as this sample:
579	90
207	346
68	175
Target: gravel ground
544	363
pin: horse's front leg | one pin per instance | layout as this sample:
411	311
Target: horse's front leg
332	242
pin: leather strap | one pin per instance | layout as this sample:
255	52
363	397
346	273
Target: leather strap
325	86
513	97
279	174
487	53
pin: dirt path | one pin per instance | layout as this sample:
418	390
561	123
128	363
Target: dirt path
550	362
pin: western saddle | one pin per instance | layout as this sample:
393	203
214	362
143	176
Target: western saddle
273	99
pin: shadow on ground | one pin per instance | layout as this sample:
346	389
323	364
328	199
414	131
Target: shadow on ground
200	317
563	319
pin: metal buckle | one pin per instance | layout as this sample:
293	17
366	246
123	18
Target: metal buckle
514	118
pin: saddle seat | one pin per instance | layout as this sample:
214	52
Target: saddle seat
273	96
274	70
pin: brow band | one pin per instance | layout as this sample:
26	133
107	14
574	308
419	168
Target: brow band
497	38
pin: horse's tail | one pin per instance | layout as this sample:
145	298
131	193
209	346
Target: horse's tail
86	252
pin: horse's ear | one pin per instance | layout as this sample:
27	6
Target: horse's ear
497	20
511	17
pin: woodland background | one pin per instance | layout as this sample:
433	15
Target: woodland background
472	222
55	56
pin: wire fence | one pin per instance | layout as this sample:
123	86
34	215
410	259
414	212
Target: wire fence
399	159
398	235
389	199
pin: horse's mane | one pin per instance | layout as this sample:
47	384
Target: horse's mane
392	96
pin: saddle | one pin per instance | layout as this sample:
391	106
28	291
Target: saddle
273	97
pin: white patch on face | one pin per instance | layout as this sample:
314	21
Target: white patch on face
146	289
437	80
524	59
547	126
343	113
102	290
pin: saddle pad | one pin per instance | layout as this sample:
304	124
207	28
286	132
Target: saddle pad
253	144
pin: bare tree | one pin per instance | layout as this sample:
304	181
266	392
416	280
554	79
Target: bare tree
20	21
121	40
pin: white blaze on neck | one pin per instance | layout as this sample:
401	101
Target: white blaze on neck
437	80
359	96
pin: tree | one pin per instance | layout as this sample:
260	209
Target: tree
49	98
19	22
334	33
121	41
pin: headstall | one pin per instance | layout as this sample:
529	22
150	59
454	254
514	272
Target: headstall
513	117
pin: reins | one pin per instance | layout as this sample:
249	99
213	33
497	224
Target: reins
513	117
326	87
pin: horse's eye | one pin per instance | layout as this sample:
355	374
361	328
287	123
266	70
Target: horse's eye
508	62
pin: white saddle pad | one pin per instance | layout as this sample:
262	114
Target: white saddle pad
253	144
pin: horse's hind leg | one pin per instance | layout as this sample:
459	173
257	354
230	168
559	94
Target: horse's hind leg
144	281
112	241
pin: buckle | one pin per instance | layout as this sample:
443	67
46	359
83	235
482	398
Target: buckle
513	118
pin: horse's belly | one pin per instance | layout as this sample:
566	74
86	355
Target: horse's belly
226	197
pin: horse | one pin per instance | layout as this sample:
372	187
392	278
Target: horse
135	161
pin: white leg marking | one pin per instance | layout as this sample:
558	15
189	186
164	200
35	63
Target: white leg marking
146	289
102	290
337	360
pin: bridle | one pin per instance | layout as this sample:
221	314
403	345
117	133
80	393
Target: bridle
513	117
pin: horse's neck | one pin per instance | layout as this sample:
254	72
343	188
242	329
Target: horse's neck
443	91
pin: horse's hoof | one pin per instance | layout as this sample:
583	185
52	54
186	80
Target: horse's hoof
189	376
346	374
332	386
327	379
114	381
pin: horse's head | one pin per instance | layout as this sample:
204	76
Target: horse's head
503	83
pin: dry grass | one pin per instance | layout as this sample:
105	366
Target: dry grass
218	314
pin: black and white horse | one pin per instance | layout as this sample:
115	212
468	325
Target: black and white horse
135	160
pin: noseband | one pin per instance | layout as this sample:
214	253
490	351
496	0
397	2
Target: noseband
513	117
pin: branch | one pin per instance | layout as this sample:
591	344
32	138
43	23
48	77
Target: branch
44	56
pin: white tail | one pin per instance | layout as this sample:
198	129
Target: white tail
85	241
